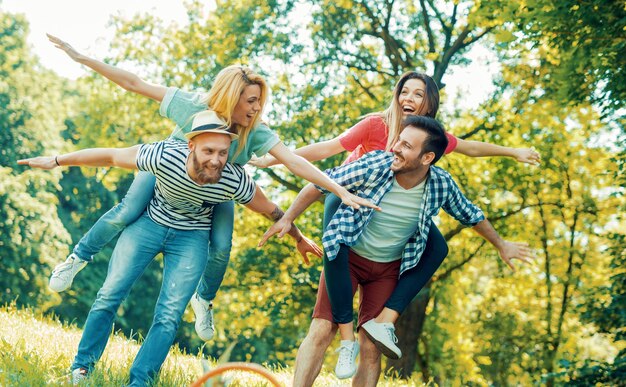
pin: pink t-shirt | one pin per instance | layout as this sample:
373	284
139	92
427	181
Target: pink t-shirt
371	134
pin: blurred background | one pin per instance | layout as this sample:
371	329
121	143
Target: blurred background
543	73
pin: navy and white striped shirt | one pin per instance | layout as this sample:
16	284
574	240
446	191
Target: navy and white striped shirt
371	177
178	201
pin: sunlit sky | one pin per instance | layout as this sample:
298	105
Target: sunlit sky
84	24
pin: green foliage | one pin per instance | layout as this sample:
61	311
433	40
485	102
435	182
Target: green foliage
585	46
606	309
31	235
273	312
558	321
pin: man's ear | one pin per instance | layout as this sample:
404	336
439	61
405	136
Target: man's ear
427	158
191	145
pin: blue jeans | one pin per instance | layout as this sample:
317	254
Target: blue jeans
221	241
134	204
184	259
117	218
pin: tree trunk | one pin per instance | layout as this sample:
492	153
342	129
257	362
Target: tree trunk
409	328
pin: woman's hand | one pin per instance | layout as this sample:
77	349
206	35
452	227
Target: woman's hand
65	46
356	202
527	155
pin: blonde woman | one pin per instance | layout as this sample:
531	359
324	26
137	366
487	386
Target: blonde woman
238	96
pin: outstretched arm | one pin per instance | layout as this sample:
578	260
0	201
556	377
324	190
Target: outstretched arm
485	149
300	167
123	78
95	157
508	250
262	205
457	205
307	196
318	151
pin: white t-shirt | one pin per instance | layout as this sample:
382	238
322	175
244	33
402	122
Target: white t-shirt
389	230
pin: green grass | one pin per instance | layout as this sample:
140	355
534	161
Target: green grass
37	350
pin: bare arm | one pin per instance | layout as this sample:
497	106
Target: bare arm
318	151
507	250
307	196
262	205
300	167
485	149
95	157
123	78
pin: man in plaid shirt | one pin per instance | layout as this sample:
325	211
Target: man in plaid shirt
372	249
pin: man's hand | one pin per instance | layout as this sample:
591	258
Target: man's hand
282	227
306	246
516	250
43	162
356	202
527	155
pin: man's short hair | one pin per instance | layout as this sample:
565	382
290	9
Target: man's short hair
436	140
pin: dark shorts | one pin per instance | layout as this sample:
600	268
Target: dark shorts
375	280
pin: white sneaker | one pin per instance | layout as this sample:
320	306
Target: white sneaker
346	363
204	317
63	274
78	375
384	337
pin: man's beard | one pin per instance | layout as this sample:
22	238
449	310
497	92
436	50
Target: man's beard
407	167
202	176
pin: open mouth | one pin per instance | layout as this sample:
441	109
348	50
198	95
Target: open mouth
408	109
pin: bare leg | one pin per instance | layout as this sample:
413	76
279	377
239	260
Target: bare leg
387	315
310	355
346	331
368	372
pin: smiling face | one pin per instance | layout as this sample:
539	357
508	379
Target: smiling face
408	150
209	153
412	98
248	106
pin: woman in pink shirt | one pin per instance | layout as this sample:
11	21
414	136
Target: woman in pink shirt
416	94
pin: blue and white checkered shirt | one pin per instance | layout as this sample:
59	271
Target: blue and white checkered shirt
371	177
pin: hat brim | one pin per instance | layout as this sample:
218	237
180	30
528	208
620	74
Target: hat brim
193	134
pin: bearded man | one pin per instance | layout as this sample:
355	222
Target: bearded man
191	178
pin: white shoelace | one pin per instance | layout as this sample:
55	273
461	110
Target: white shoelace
391	332
345	355
64	267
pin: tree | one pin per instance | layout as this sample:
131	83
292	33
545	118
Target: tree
584	46
31	234
476	322
606	309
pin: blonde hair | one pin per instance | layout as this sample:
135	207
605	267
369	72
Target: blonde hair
224	95
393	115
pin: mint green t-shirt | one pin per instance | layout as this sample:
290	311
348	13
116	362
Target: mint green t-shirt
388	231
180	106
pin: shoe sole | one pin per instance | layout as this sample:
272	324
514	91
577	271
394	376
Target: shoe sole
58	289
381	347
345	376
